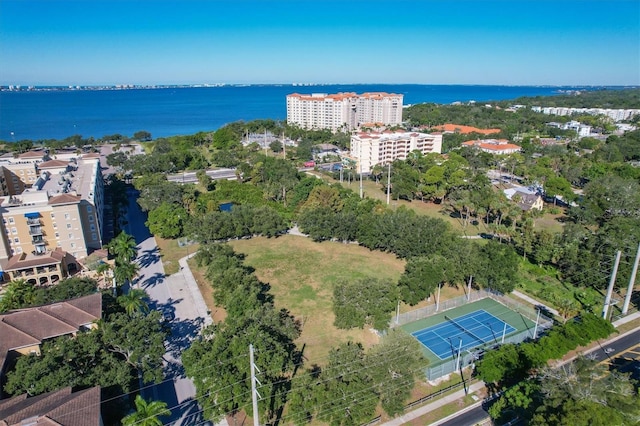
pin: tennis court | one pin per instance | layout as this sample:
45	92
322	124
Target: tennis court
461	333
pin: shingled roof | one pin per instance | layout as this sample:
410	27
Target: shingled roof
30	326
62	407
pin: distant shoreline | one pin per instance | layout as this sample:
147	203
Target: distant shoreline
71	88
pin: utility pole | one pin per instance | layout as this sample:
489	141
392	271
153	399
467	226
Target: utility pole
284	148
265	141
360	170
607	300
632	281
388	183
254	392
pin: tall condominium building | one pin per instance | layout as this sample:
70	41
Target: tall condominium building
55	221
372	148
343	111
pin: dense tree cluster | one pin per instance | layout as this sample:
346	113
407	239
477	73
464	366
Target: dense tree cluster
581	392
347	390
21	294
218	362
367	301
511	363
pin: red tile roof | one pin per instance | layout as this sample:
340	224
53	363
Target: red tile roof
32	154
495	145
458	128
24	260
53	164
64	199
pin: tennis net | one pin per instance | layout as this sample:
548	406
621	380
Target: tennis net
469	332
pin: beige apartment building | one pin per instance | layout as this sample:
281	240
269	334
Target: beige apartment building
54	222
343	111
369	149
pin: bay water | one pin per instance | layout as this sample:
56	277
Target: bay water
57	114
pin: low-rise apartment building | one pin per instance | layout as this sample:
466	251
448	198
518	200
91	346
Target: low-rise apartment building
369	149
343	111
614	114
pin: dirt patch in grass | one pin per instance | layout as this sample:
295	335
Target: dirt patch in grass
302	274
218	314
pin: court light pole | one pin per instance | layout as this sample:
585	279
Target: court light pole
535	330
459	350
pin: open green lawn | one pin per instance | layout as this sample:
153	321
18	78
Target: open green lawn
543	283
302	273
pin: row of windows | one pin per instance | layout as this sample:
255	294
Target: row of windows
53	215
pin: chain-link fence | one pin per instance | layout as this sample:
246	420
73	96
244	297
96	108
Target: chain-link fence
469	357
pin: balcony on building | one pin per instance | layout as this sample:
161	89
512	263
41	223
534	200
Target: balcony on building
35	230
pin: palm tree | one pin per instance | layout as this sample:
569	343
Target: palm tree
125	271
18	294
123	247
134	302
103	270
147	413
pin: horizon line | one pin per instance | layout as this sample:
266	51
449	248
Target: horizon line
295	84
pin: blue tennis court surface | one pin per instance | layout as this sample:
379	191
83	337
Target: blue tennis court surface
473	329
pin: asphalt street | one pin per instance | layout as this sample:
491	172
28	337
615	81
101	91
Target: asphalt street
172	296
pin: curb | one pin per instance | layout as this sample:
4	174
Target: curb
456	414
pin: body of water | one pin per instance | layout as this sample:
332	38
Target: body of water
165	112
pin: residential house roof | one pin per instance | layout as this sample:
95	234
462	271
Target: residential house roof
30	326
60	408
526	198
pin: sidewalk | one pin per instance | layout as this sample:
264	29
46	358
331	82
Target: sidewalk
194	291
534	302
418	412
628	318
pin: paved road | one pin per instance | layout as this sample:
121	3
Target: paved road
172	295
190	177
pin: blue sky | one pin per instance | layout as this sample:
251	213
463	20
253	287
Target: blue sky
510	42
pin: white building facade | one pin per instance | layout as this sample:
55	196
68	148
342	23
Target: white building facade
372	148
343	111
614	114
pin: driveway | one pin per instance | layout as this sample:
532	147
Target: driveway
180	300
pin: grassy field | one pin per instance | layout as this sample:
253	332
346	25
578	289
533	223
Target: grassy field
544	284
302	274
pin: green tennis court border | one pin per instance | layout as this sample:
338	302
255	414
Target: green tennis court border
497	309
